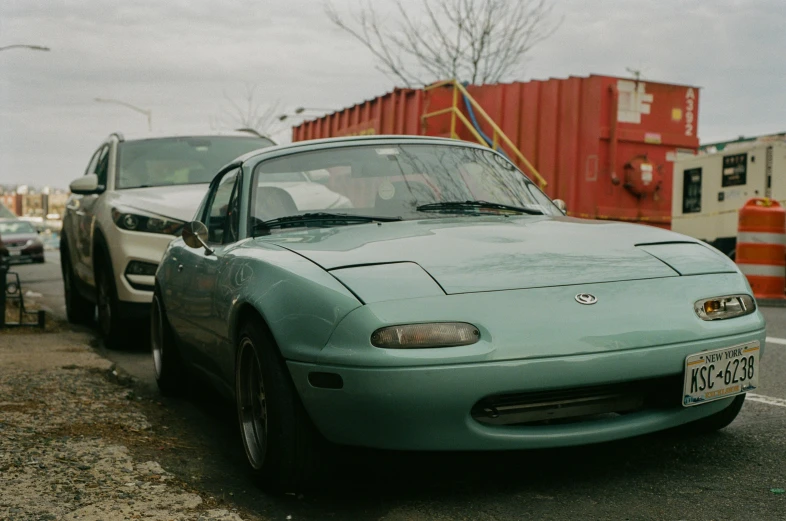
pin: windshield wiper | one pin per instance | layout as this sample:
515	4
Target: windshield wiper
324	218
474	205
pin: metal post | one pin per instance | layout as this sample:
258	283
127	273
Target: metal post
453	133
3	273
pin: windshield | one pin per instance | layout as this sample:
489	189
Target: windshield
177	161
15	227
394	181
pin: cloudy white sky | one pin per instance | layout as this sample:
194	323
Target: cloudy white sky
178	57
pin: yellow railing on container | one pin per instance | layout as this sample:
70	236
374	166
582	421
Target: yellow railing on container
497	135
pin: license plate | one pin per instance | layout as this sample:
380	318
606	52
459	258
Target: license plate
712	375
14	252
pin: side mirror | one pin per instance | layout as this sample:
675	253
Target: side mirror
86	185
559	203
195	236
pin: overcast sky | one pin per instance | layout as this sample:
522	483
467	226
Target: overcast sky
178	58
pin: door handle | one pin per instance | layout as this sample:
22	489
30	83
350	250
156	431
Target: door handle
179	268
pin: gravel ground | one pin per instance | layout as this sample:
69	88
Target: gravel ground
71	436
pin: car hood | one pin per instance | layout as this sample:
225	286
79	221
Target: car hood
496	253
16	238
176	201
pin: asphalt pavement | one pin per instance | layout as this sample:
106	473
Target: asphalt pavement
738	473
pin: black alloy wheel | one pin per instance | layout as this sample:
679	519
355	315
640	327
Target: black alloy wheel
169	368
282	446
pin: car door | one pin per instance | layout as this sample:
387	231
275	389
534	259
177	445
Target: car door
71	217
84	218
201	271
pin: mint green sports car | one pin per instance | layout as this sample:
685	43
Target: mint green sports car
423	294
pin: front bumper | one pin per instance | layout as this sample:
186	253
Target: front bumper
428	407
135	246
34	253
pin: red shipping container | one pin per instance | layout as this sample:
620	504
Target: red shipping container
604	145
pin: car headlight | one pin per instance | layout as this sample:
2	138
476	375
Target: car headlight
31	242
439	334
138	221
729	306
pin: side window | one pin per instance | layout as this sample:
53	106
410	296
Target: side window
222	214
102	166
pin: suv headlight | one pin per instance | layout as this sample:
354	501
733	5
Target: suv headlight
139	221
729	306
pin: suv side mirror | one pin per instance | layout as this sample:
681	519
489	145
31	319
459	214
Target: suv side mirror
86	185
559	203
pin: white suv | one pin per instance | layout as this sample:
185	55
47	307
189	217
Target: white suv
132	201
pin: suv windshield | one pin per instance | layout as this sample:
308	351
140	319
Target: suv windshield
177	161
392	181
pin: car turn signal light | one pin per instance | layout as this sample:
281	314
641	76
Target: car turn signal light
725	307
414	336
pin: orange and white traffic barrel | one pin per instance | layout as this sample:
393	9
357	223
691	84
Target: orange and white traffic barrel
761	247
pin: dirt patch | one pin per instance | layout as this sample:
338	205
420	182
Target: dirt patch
26	406
87	451
130	437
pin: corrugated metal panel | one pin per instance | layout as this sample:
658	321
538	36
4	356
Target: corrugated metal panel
605	145
397	112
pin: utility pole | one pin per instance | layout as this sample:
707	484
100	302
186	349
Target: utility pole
146	112
25	46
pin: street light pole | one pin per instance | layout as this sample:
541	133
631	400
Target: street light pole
146	112
25	46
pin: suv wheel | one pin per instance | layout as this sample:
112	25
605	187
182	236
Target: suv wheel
109	323
79	310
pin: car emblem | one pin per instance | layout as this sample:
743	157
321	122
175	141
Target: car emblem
586	299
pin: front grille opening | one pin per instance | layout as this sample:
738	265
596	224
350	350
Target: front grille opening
578	404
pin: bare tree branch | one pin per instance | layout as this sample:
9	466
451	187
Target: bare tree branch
471	40
247	111
372	37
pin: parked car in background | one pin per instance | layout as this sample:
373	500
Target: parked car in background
20	241
133	199
450	306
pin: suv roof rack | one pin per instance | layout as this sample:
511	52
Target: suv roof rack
118	135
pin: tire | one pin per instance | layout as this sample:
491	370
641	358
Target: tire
717	421
112	328
79	310
282	446
168	365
